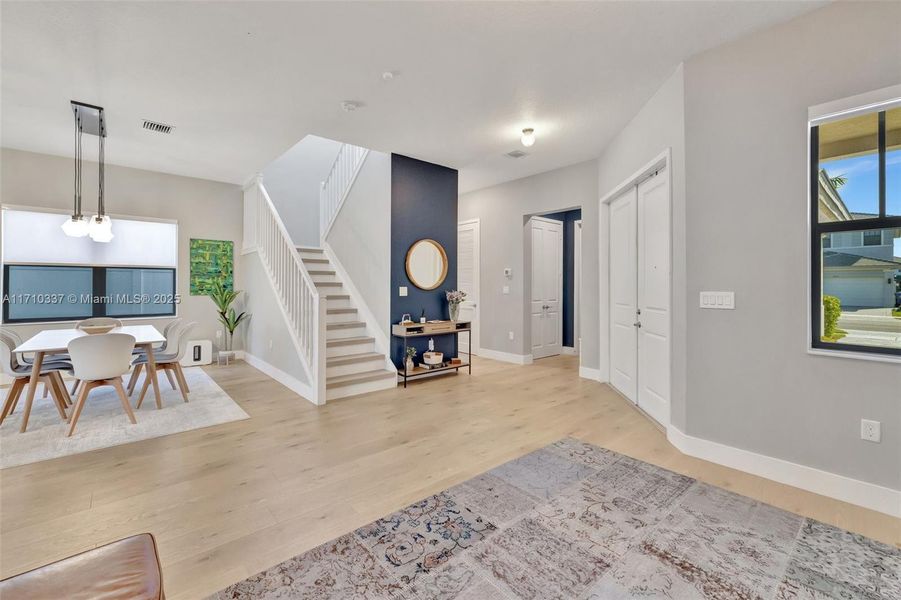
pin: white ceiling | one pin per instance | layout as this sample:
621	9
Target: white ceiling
244	81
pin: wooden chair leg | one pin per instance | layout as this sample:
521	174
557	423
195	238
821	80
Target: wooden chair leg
144	389
182	385
133	380
181	374
50	383
46	389
169	377
117	383
75	387
14	392
61	386
79	405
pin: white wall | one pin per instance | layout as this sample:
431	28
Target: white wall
204	209
361	236
293	181
501	210
750	381
657	126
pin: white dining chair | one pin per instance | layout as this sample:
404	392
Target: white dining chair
99	360
48	359
170	362
98	322
170	333
21	374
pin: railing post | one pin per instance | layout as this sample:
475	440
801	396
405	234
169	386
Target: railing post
319	348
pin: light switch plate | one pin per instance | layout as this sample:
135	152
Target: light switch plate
718	300
402	291
506	289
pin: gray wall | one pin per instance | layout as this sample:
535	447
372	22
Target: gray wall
751	383
267	335
501	210
657	126
203	209
293	182
361	236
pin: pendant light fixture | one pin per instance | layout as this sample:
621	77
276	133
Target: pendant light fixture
90	119
528	137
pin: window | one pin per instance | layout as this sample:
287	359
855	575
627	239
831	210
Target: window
855	183
38	293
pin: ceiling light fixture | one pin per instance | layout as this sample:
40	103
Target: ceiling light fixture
350	105
90	119
528	137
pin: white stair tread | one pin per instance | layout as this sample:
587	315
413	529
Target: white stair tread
335	361
342	380
349	341
347	325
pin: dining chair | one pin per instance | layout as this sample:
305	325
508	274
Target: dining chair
98	322
169	332
17	339
170	362
99	360
21	375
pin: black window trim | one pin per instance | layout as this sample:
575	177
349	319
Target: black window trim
882	221
98	289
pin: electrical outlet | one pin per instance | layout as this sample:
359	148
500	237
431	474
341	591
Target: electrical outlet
402	291
506	289
510	335
870	431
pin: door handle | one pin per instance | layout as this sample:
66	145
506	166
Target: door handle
637	324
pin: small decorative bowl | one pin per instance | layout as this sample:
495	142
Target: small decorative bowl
94	329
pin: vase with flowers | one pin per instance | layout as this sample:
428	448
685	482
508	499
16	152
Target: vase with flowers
454	299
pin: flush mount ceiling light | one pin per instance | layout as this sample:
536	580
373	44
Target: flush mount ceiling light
528	137
89	119
350	105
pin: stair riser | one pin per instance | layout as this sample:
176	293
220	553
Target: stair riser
307	254
342	317
342	303
361	388
354	368
341	334
350	349
330	289
323	278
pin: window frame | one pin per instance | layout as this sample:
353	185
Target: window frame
817	229
98	289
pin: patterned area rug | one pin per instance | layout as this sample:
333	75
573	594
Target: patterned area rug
574	521
103	422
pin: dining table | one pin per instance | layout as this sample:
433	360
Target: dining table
56	341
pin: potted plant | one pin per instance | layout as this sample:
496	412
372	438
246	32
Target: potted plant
230	319
454	299
408	363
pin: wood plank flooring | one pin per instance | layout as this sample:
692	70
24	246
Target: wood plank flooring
228	501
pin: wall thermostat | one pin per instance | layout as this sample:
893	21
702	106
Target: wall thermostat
508	272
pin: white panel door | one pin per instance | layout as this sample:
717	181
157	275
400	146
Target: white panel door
654	297
624	294
547	287
468	281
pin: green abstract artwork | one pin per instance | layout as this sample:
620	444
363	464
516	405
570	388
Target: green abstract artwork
211	261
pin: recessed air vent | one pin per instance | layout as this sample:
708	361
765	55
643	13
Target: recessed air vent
157	127
516	154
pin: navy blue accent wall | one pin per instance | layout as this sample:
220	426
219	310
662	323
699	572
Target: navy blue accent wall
569	219
423	205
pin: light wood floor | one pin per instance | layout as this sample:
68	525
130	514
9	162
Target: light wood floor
228	501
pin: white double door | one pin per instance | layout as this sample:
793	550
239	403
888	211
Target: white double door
546	312
640	259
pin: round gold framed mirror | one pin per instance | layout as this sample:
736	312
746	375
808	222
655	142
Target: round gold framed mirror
426	264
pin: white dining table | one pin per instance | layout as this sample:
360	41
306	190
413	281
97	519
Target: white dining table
56	341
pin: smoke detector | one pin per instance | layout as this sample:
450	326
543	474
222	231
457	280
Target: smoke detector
157	127
516	154
350	105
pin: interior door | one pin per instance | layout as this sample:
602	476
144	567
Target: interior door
547	286
654	297
624	294
468	281
577	287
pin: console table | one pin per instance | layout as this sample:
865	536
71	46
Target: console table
407	331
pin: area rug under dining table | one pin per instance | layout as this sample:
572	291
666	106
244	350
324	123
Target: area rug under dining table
574	521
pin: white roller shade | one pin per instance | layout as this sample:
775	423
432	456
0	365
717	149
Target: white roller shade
36	238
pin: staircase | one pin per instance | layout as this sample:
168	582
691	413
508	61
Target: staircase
352	363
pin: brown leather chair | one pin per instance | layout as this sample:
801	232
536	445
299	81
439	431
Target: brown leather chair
128	569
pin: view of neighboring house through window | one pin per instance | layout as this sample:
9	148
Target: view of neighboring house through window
856	227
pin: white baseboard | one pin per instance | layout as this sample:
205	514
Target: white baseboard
839	487
516	359
589	373
569	350
289	381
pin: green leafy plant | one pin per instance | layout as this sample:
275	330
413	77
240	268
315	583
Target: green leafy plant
223	298
838	181
832	310
411	352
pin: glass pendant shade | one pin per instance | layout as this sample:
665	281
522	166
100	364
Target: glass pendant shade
101	228
76	227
